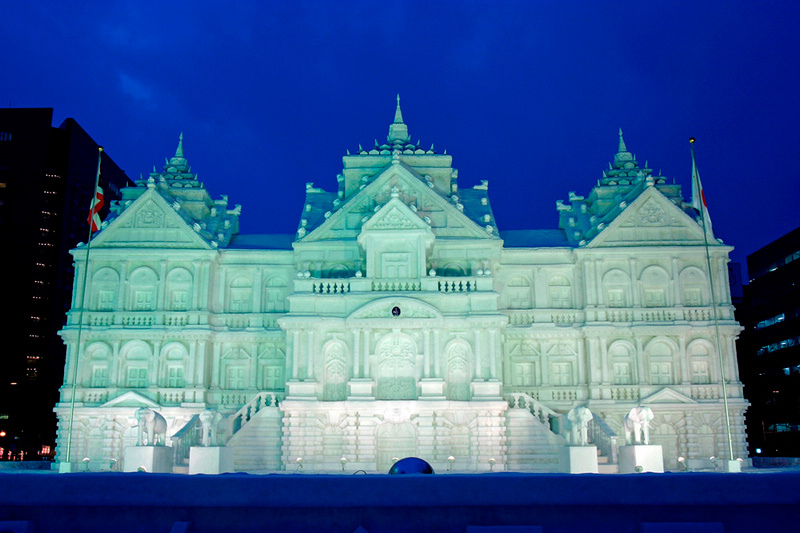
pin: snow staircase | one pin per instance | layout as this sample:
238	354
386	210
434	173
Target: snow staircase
531	445
257	430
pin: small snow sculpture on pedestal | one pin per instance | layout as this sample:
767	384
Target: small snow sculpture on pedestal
151	454
579	418
639	455
637	425
151	425
578	457
210	457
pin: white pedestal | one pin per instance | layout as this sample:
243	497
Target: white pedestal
156	459
734	466
301	389
210	460
649	456
486	390
579	459
432	388
360	389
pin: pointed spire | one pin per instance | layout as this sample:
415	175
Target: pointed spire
622	147
398	131
398	114
179	151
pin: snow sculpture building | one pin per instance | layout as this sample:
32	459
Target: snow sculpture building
399	321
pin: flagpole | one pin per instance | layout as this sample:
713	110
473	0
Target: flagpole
76	357
698	187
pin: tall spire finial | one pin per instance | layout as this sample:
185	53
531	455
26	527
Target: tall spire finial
179	151
622	147
398	114
398	131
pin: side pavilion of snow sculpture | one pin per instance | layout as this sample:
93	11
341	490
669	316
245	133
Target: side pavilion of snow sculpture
399	321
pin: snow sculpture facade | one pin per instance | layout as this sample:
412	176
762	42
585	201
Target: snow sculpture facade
398	321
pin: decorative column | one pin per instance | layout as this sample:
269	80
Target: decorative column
492	353
295	355
426	336
683	362
436	363
356	353
478	359
365	352
310	355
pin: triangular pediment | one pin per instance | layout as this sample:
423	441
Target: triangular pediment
150	222
395	216
650	220
399	181
667	395
131	399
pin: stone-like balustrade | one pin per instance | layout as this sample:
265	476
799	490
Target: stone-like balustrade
260	401
426	284
520	400
528	317
602	436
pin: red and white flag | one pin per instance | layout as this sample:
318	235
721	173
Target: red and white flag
699	197
94	209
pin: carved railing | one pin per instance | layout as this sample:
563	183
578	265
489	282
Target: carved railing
457	285
602	436
706	392
260	401
666	314
625	393
330	287
520	400
380	285
137	319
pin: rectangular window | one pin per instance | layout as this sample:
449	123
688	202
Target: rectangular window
691	297
560	297
137	377
655	298
143	300
235	377
700	374
100	376
622	374
180	300
660	373
105	300
524	375
241	300
272	378
562	373
175	377
616	298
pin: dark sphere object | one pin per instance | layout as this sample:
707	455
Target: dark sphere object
411	465
395	311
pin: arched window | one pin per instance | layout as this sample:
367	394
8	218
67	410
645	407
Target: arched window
105	284
179	290
617	288
622	363
518	293
560	292
655	287
142	294
275	292
660	357
694	287
240	295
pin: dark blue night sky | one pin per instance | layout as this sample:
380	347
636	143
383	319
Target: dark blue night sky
528	95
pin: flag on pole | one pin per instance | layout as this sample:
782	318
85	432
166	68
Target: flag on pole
97	201
94	210
698	196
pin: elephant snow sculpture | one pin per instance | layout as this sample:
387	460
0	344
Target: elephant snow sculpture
637	425
152	425
579	418
209	419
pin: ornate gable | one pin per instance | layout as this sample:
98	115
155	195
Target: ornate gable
667	395
444	216
131	399
150	222
651	219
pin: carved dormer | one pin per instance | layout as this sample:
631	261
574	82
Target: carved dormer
396	242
